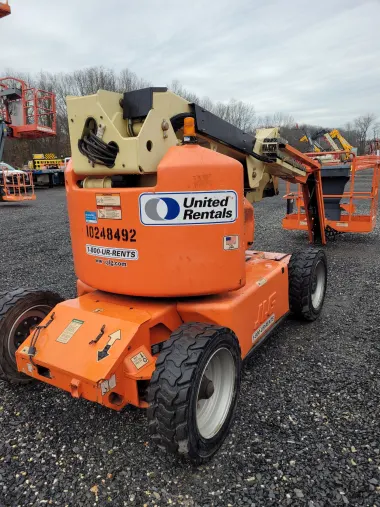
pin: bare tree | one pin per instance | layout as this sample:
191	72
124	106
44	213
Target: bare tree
177	88
128	81
241	114
376	130
276	120
362	125
88	81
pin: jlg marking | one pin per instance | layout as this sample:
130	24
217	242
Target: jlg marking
265	316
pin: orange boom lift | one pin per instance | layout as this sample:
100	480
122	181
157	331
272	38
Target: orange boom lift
171	300
348	209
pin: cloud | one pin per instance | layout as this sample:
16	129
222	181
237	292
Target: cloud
316	62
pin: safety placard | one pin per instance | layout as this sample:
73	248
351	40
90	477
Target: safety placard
108	199
110	213
69	331
139	360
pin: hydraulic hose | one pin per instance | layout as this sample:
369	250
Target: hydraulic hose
97	151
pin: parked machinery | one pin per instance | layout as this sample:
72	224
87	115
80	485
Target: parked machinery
170	298
48	169
5	9
348	208
25	113
329	136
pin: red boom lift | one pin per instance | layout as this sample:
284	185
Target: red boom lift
25	113
4	9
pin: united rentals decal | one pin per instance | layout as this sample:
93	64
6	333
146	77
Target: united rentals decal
188	208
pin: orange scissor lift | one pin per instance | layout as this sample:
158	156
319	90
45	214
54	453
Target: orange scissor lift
16	187
25	113
347	210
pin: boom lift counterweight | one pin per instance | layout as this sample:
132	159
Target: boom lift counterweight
170	298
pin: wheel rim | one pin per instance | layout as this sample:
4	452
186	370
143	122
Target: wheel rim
215	393
318	285
21	328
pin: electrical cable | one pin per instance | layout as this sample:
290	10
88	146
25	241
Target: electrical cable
262	158
97	151
36	333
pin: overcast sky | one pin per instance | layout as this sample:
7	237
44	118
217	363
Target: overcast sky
319	61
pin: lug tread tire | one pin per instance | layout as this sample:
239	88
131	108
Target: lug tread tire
8	300
300	274
171	385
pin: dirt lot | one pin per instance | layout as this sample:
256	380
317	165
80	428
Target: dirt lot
307	428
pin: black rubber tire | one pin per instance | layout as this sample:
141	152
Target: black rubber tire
174	386
302	266
12	305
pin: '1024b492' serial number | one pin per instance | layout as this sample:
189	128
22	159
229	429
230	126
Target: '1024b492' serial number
111	234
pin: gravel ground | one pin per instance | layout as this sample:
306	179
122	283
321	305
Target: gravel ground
307	426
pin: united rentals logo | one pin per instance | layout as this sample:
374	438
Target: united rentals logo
188	208
162	208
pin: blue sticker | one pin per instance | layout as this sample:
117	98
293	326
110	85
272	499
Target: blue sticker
91	217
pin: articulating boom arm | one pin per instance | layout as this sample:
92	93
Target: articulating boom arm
125	136
129	133
314	145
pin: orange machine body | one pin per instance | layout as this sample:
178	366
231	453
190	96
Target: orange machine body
185	236
104	344
115	370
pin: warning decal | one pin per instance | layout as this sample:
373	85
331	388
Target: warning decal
70	330
139	360
109	212
108	199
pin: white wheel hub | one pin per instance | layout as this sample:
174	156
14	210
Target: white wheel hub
319	282
215	393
